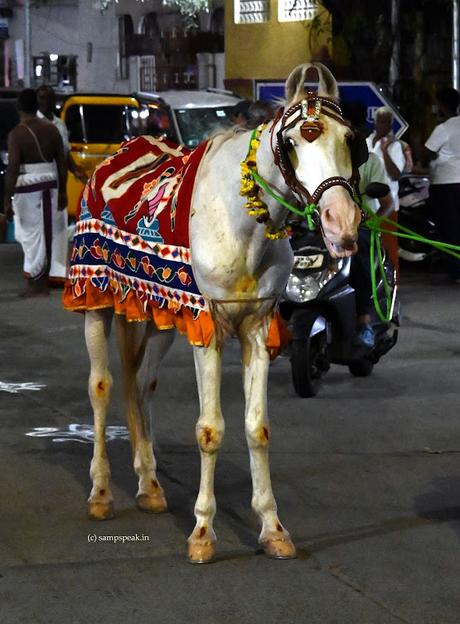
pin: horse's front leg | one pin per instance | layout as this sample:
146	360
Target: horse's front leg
209	433
274	537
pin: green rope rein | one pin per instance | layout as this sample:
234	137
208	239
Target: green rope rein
374	224
308	211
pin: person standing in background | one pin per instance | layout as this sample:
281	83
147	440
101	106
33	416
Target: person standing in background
35	193
260	112
239	115
371	171
442	151
46	100
384	144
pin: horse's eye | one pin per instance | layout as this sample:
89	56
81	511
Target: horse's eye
349	136
290	143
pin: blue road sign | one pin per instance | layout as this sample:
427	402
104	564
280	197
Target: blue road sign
367	93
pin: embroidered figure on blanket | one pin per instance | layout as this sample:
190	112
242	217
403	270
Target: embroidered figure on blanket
149	230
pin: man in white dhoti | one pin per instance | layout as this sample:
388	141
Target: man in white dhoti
35	192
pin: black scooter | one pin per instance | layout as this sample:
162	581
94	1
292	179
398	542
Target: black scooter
414	214
319	305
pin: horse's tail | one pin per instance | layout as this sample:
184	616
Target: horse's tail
295	89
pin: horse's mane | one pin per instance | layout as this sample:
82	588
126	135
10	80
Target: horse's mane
226	133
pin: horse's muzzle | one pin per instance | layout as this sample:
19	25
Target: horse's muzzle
342	248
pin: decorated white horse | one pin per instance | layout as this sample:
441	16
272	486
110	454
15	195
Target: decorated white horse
131	256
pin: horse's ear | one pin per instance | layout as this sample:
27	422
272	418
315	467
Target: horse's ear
295	83
327	84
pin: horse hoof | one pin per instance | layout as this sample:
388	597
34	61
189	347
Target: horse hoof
152	504
201	552
101	511
281	548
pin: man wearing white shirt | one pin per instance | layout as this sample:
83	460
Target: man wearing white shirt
46	108
443	150
384	144
46	103
372	170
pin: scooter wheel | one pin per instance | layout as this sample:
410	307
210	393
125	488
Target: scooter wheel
361	368
308	365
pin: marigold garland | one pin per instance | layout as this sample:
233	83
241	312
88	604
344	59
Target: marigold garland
250	189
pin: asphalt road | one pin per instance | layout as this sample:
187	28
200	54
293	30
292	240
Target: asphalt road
366	475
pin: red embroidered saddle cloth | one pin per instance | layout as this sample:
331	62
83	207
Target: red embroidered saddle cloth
131	248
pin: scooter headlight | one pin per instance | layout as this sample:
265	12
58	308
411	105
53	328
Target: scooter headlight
301	289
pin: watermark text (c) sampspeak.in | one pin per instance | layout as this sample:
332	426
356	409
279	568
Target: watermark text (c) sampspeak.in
118	539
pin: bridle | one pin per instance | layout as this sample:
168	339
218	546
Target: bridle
309	110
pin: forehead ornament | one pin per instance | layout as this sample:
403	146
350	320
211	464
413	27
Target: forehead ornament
310	111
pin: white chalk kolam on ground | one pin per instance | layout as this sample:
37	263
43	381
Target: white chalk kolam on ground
241	272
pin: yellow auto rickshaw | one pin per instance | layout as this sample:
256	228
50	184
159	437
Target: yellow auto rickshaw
97	125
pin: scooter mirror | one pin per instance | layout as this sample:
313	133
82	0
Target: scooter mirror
376	190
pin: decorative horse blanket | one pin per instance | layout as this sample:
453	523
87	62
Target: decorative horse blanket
131	249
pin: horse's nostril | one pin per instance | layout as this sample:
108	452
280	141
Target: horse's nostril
348	243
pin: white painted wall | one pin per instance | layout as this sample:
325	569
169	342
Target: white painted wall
62	29
67	30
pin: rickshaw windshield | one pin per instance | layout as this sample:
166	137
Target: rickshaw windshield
93	123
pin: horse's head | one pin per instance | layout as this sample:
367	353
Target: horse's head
318	155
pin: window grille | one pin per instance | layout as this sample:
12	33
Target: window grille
297	10
252	11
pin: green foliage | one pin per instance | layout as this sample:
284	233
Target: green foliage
363	45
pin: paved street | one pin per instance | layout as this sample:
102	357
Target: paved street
366	475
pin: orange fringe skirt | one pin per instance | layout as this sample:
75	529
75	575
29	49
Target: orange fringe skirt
199	331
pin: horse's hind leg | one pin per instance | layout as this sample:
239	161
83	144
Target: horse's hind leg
142	347
274	537
97	331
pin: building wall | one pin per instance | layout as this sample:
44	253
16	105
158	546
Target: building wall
272	49
65	28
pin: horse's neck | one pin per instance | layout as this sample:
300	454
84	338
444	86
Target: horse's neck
236	150
270	172
228	244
